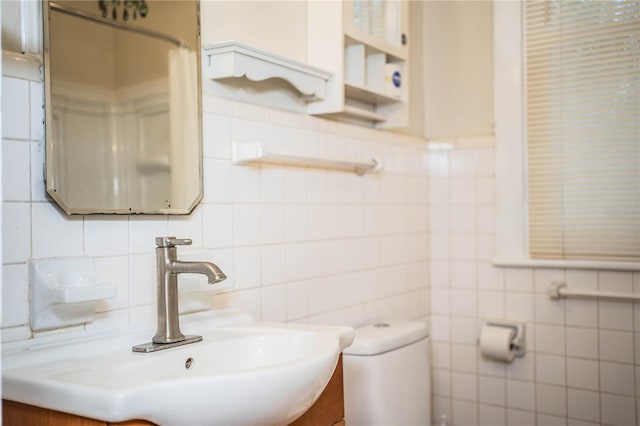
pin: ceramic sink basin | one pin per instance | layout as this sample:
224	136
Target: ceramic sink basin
242	373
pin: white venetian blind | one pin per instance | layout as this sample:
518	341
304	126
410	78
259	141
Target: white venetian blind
583	129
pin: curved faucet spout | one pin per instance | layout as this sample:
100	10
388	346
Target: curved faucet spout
211	270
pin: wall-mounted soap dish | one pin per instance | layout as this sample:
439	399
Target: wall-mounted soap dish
64	292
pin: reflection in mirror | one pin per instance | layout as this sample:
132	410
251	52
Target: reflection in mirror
123	106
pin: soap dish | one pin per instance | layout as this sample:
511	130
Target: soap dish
64	292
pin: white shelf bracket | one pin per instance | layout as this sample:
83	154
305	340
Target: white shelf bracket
233	59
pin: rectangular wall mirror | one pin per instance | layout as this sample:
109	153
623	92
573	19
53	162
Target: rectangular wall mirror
122	101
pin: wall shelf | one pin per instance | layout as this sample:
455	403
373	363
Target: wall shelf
365	94
233	60
244	153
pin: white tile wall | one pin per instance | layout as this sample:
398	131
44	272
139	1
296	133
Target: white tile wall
582	365
306	245
313	245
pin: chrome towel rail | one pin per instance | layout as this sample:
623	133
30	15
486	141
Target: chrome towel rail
558	290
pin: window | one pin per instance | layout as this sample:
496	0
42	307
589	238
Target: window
568	105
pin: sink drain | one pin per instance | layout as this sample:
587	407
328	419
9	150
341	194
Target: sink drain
188	363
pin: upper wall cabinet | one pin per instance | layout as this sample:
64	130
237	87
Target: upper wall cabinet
364	44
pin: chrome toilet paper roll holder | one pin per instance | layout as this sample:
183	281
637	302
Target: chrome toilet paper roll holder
517	344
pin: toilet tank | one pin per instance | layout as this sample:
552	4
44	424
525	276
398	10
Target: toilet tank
387	375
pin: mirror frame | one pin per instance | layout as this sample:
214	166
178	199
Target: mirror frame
50	143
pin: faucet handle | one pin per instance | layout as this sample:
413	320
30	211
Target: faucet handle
172	242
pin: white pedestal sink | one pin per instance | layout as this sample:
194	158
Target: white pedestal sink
242	373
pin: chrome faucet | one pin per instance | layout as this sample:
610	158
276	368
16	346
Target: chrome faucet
168	267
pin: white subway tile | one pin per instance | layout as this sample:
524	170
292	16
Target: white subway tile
249	301
247	267
464	358
616	346
490	277
297	299
439	271
440	354
463	303
54	233
616	281
519	306
463	247
583	373
188	226
107	236
550	339
464	386
319	299
246	184
244	130
582	342
463	219
522	368
548	310
463	275
439	164
218	182
246	224
617	410
520	395
439	217
441	409
463	190
583	405
492	416
549	420
440	301
521	418
550	369
36	110
143	231
465	413
551	400
464	330
439	246
486	219
38	191
272	184
114	271
543	277
617	378
16	232
581	279
15	296
490	304
486	247
439	192
486	162
216	136
492	390
15	108
272	225
463	163
486	190
142	276
274	303
519	279
217	225
16	174
615	315
582	313
441	328
441	382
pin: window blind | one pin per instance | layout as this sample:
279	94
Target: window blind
583	129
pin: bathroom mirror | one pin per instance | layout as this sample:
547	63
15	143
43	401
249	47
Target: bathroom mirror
122	101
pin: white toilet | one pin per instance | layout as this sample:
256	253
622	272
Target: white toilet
387	375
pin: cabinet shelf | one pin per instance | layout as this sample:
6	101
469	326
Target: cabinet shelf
356	36
368	95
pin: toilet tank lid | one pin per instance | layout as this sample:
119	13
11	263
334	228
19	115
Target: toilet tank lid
386	336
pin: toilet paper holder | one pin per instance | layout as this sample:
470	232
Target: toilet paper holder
518	341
